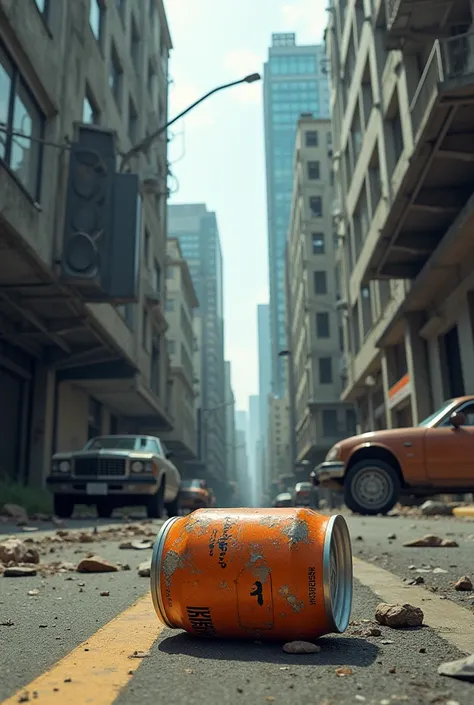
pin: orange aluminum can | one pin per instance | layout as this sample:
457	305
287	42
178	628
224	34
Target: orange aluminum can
253	573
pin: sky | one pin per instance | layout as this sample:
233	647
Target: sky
217	152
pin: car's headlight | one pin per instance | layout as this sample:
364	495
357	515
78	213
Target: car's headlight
334	453
61	466
137	466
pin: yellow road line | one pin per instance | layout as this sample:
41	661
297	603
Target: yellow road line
452	622
100	673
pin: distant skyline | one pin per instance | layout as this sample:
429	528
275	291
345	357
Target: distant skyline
217	152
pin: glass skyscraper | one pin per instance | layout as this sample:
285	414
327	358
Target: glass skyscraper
295	82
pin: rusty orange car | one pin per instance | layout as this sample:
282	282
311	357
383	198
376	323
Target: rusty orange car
375	469
194	494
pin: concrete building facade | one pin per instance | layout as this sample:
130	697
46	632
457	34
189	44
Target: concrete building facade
70	369
231	439
196	229
295	82
278	444
264	387
320	419
181	301
401	99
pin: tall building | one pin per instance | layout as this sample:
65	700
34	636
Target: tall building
400	105
264	389
319	419
295	82
72	367
253	438
280	471
231	439
243	480
181	342
196	229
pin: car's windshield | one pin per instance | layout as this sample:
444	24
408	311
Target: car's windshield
140	443
439	412
303	487
193	484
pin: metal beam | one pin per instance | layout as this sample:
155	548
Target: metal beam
79	355
401	270
417	242
16	304
115	369
447	198
9	333
459	156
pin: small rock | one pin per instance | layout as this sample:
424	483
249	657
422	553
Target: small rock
422	650
126	566
301	647
104	593
417	581
14	511
392	537
399	616
7	623
431	541
464	584
438	571
96	564
359	538
144	569
344	671
85	538
34	592
188	670
432	508
16	551
449	543
372	631
463	669
140	654
19	571
137	545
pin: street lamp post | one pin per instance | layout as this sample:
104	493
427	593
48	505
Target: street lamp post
146	143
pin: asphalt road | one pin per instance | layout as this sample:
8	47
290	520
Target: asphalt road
37	631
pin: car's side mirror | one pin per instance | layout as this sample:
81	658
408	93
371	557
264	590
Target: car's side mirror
457	419
169	454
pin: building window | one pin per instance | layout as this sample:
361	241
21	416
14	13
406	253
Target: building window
322	325
42	6
325	370
20	114
96	18
317	240
312	138
90	111
316	206
170	304
151	79
146	248
132	122
171	345
330	421
320	284
135	45
156	278
313	171
115	75
145	329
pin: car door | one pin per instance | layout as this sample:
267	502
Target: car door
450	451
173	478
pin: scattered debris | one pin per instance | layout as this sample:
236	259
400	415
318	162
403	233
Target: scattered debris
105	593
344	671
85	538
431	541
96	564
422	650
399	616
432	508
144	569
33	593
137	545
392	537
140	654
439	571
463	669
19	571
372	631
417	581
7	623
464	584
16	551
14	511
189	670
301	647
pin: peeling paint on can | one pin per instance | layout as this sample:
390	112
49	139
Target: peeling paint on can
259	574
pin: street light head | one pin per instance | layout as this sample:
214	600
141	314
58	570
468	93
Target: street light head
252	78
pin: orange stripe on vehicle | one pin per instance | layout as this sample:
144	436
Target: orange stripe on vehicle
95	672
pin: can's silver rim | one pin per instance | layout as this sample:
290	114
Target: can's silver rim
155	571
337	573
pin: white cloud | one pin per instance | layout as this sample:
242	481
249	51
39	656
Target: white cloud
240	63
182	94
308	18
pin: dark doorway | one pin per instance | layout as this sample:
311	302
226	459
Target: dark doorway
453	364
12	388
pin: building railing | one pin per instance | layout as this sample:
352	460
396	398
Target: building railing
391	10
427	89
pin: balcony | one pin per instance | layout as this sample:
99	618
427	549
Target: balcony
431	188
411	24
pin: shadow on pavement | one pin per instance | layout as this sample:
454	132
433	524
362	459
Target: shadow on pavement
335	651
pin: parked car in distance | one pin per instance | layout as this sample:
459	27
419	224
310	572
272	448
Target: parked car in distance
284	499
375	469
116	471
303	494
194	495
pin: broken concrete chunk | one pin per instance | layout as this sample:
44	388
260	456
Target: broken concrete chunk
19	571
431	541
96	564
301	647
14	511
464	584
144	569
462	669
85	537
432	508
137	545
16	551
399	616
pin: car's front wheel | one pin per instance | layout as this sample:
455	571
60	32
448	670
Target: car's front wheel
371	487
63	506
156	504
